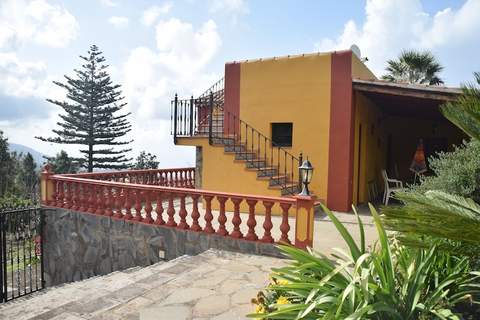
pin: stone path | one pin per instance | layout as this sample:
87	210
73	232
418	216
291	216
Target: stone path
212	285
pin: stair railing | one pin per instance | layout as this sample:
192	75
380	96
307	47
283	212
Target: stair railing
260	151
205	116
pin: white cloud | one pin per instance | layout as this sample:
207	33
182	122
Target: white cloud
118	22
153	76
108	3
35	21
229	6
151	14
391	26
21	78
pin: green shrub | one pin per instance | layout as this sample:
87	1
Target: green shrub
390	281
456	172
13	202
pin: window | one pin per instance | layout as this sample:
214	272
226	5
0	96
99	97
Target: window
282	134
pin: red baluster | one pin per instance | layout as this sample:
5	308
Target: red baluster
53	202
251	222
128	205
159	210
236	220
81	197
208	215
117	207
195	214
100	201
171	212
183	213
61	195
285	227
68	195
162	179
222	218
75	190
138	206
148	208
90	199
109	202
267	224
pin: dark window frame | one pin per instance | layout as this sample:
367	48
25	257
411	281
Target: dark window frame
279	138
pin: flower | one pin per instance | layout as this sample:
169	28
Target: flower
259	309
282	282
282	300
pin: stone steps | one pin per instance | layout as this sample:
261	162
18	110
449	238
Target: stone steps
212	285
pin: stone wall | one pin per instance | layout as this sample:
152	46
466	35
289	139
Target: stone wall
81	245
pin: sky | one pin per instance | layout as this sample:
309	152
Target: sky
155	49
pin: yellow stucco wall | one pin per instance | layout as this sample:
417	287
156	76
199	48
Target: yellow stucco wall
369	148
360	70
297	90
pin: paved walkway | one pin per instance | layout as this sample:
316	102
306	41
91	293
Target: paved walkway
212	285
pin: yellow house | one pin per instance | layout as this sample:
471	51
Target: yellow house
253	128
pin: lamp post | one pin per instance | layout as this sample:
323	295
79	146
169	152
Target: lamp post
306	171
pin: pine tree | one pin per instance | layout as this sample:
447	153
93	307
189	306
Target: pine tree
63	163
91	118
5	161
28	177
146	161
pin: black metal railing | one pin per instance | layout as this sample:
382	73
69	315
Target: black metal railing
21	252
205	116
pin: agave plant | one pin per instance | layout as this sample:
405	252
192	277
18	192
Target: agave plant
389	281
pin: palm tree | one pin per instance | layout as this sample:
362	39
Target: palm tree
436	214
414	67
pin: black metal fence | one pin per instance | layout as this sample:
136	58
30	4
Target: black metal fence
21	252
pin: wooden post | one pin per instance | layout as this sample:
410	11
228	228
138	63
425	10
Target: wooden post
304	221
47	186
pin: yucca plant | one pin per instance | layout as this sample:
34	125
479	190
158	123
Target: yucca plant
388	281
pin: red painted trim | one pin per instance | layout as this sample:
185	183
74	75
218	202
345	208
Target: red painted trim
232	94
340	157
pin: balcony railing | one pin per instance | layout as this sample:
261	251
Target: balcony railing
109	194
174	177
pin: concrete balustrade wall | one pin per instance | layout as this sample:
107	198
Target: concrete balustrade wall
80	245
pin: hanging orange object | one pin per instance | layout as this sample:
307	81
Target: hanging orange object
418	163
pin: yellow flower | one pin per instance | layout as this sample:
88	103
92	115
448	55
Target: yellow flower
282	300
259	309
282	282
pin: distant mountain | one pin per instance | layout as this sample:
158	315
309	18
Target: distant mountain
20	148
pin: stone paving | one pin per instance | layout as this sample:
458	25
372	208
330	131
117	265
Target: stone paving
212	285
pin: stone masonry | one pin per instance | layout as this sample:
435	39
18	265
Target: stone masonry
78	245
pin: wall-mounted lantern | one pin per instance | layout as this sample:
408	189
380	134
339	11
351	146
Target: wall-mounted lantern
306	171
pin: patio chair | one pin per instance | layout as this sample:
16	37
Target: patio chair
391	186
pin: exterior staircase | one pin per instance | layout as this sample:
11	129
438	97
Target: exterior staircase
205	116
